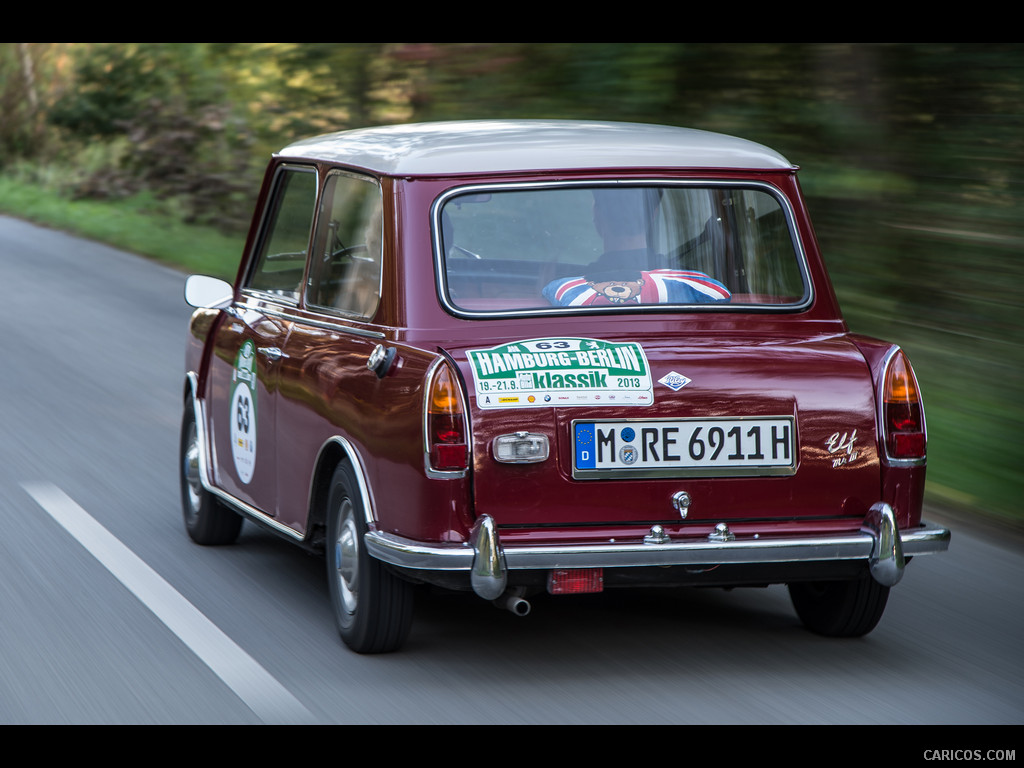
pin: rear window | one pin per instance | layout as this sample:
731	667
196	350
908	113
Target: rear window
643	247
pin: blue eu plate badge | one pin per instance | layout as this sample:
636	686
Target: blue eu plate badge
585	456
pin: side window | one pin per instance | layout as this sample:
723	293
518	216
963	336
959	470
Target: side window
349	244
282	257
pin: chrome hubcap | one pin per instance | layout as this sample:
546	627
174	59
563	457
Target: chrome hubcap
346	559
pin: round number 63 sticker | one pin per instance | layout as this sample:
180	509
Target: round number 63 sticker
243	412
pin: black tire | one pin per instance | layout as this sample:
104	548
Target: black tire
207	520
839	608
372	606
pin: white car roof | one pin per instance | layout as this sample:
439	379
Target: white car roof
494	146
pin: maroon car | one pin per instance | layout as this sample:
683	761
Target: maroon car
524	356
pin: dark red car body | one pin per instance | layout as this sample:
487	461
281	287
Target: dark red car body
338	403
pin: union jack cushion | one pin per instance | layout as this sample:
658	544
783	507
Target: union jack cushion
656	286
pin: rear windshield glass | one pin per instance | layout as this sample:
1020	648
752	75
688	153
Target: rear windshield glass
638	246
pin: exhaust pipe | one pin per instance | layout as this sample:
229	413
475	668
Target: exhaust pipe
514	602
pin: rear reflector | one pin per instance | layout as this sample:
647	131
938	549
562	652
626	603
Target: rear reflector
448	456
575	581
910	445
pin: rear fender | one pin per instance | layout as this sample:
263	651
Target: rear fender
901	482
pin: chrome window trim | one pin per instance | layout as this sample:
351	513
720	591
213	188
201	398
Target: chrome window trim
329	323
798	247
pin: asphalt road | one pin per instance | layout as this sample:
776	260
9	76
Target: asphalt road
110	615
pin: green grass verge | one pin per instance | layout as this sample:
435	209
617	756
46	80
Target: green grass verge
137	225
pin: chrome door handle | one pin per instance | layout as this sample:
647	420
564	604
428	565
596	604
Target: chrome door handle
272	352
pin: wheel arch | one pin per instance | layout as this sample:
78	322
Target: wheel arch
334	452
190	393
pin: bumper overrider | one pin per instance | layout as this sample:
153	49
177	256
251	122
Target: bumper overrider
879	543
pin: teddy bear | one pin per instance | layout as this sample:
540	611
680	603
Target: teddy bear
621	288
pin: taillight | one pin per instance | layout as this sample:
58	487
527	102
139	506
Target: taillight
445	423
902	412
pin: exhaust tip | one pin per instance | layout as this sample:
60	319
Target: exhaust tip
514	603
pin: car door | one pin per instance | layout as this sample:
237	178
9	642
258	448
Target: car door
250	342
325	383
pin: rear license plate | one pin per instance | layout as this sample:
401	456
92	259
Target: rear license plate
725	447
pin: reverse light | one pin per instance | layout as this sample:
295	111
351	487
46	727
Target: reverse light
445	422
902	412
521	448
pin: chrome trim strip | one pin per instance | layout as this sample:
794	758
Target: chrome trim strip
784	202
406	553
204	468
325	324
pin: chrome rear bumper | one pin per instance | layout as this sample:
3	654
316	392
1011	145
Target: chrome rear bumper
487	561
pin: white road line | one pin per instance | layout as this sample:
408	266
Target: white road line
271	702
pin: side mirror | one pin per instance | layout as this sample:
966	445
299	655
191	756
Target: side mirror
206	292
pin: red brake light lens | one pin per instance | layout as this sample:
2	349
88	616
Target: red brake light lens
446	423
903	414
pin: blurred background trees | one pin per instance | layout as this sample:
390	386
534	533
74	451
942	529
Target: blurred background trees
912	156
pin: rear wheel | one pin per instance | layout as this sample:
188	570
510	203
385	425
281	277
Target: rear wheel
372	606
207	520
840	608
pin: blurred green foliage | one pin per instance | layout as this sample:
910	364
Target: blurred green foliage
913	156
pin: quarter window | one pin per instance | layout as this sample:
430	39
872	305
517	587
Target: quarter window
349	246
